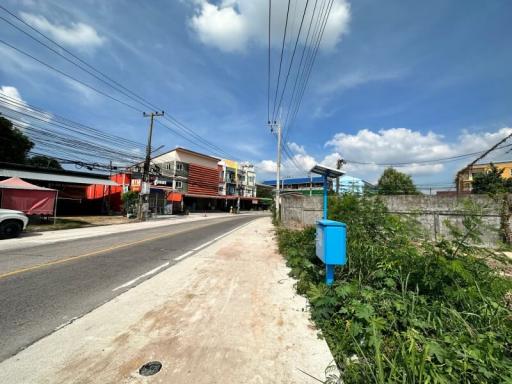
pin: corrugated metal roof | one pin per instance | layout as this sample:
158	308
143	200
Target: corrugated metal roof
298	180
54	177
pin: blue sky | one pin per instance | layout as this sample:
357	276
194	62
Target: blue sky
394	81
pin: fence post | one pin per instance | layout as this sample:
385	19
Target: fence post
436	225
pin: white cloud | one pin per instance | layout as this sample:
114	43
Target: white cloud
390	145
296	148
232	24
223	28
266	167
337	24
13	106
13	100
79	35
11	92
472	142
14	103
394	145
345	81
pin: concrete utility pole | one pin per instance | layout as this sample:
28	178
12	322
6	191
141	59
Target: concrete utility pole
143	197
277	125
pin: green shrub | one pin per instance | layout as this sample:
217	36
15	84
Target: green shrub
130	200
406	309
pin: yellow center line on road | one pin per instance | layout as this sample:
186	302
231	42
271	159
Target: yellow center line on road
70	258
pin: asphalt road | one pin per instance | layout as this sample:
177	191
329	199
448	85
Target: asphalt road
80	275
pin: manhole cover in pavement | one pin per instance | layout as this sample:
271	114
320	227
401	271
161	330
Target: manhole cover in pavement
150	368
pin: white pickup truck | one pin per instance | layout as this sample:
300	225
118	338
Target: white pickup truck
12	223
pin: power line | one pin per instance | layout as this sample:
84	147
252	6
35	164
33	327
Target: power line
280	62
268	68
300	67
320	32
310	60
37	113
69	76
293	54
125	91
68	52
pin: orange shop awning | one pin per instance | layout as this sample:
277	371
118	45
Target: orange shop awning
175	197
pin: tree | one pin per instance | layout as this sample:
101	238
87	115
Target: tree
15	144
264	191
491	181
393	182
44	161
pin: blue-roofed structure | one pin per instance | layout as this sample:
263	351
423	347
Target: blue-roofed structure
297	181
348	184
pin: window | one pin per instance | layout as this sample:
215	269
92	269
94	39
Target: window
179	166
168	166
179	185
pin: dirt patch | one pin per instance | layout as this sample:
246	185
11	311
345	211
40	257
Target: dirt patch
75	222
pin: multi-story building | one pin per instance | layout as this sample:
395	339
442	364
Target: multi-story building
182	179
237	179
464	178
248	180
229	177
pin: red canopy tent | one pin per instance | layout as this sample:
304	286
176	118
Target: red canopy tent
31	199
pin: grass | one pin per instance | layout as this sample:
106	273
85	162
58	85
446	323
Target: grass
406	309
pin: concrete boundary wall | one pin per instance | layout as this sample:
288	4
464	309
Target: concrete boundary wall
431	212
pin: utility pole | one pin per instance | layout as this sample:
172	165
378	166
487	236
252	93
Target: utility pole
109	189
277	126
144	197
339	163
238	188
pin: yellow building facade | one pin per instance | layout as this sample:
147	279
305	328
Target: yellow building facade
465	176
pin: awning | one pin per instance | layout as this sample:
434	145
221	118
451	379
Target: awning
46	176
175	197
226	197
204	196
17	183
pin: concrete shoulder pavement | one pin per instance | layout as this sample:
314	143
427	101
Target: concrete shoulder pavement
227	314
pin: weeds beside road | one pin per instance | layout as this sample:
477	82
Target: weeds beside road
405	309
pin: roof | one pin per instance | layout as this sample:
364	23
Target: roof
50	174
17	183
188	151
315	180
297	180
